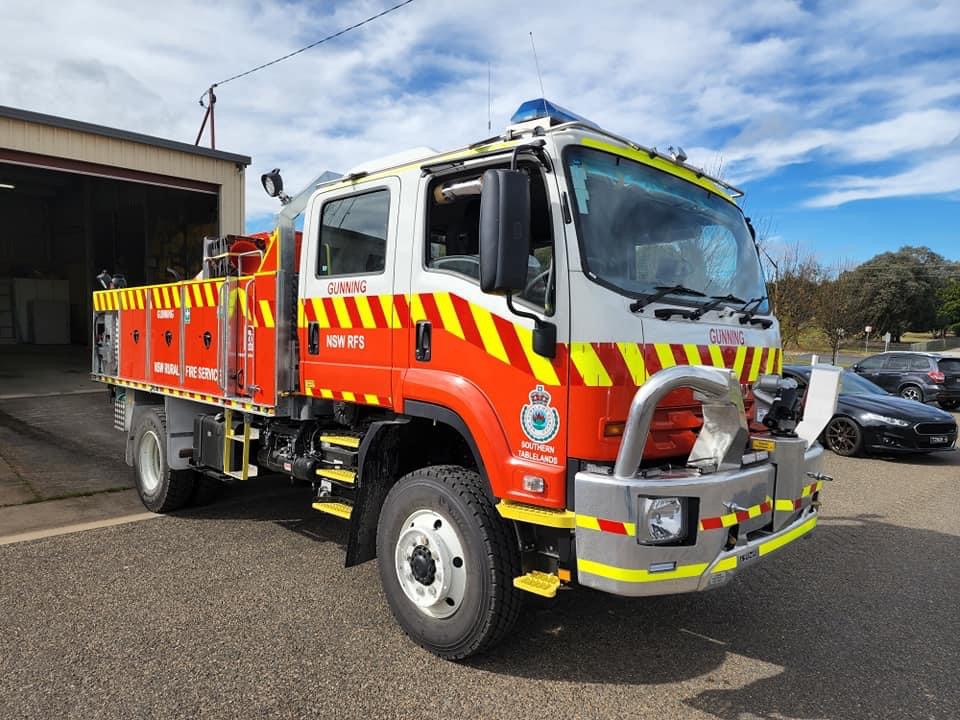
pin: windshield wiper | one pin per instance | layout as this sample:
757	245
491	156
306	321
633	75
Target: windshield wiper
715	302
748	313
661	292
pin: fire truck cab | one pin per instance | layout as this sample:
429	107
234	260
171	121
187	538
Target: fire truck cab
543	360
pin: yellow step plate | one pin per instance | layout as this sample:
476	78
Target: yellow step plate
343	440
340	476
538	583
334	508
536	515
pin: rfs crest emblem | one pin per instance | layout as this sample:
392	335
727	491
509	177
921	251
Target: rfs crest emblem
539	421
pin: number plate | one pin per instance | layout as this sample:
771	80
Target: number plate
938	439
748	556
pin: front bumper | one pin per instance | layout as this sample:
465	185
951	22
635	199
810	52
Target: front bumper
735	519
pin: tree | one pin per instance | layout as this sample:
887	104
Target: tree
834	304
793	290
899	291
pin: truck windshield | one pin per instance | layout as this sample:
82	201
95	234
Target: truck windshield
641	228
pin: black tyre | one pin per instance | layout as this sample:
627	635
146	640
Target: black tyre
911	392
161	489
843	436
949	404
447	562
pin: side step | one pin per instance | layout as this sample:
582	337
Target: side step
347	441
538	583
347	477
340	509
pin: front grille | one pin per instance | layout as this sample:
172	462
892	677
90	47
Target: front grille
943	428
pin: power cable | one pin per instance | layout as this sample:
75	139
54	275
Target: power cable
313	44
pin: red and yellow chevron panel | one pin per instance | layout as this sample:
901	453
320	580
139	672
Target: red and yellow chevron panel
603	525
311	390
790	505
724	521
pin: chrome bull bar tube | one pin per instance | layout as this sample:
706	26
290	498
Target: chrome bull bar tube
721	440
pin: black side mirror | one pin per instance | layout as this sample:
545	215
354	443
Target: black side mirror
545	339
855	367
504	231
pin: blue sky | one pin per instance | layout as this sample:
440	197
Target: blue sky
841	120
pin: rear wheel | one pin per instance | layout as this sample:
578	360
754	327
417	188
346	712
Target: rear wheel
949	404
161	489
447	562
911	392
843	436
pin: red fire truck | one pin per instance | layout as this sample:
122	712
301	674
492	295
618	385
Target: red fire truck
542	360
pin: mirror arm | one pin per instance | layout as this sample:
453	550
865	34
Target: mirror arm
536	147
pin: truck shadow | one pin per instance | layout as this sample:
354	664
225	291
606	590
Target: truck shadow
860	621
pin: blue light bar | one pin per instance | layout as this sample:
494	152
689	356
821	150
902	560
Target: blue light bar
543	108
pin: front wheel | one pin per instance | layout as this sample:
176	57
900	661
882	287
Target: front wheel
843	436
447	562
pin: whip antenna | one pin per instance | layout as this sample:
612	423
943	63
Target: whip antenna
536	62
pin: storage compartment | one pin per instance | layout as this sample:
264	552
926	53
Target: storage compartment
208	441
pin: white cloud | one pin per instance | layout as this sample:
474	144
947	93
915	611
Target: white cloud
843	85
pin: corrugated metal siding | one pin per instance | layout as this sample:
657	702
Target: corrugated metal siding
85	147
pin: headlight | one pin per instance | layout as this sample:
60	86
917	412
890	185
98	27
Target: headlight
884	419
662	520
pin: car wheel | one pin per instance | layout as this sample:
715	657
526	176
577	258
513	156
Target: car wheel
911	392
949	404
843	436
447	562
161	489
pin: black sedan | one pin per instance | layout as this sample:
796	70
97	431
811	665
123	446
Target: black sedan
869	419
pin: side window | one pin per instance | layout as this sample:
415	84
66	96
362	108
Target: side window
872	363
453	244
897	362
353	234
919	363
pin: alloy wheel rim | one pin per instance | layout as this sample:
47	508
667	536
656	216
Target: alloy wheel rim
911	393
842	436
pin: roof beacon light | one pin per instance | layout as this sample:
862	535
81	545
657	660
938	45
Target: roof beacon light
543	108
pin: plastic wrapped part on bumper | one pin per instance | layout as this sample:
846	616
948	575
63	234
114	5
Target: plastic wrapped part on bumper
610	558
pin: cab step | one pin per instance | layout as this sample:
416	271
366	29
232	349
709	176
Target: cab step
347	441
340	475
538	583
333	507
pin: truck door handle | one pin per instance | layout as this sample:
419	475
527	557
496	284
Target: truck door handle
424	333
313	338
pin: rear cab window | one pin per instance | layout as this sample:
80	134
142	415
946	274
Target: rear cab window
919	363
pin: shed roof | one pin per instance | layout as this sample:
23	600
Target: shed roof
109	132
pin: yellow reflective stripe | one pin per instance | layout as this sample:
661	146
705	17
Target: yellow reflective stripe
693	354
664	355
783	506
156	298
175	293
208	294
267	313
592	371
779	370
638	575
542	368
328	394
389	312
729	563
363	309
451	323
197	295
123	300
738	360
320	312
242	297
488	333
371	399
417	313
139	299
633	359
165	293
728	519
585	521
771	357
349	396
716	356
644	158
340	308
96	301
301	314
187	297
755	364
776	544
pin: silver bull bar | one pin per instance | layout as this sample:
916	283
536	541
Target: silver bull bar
736	510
